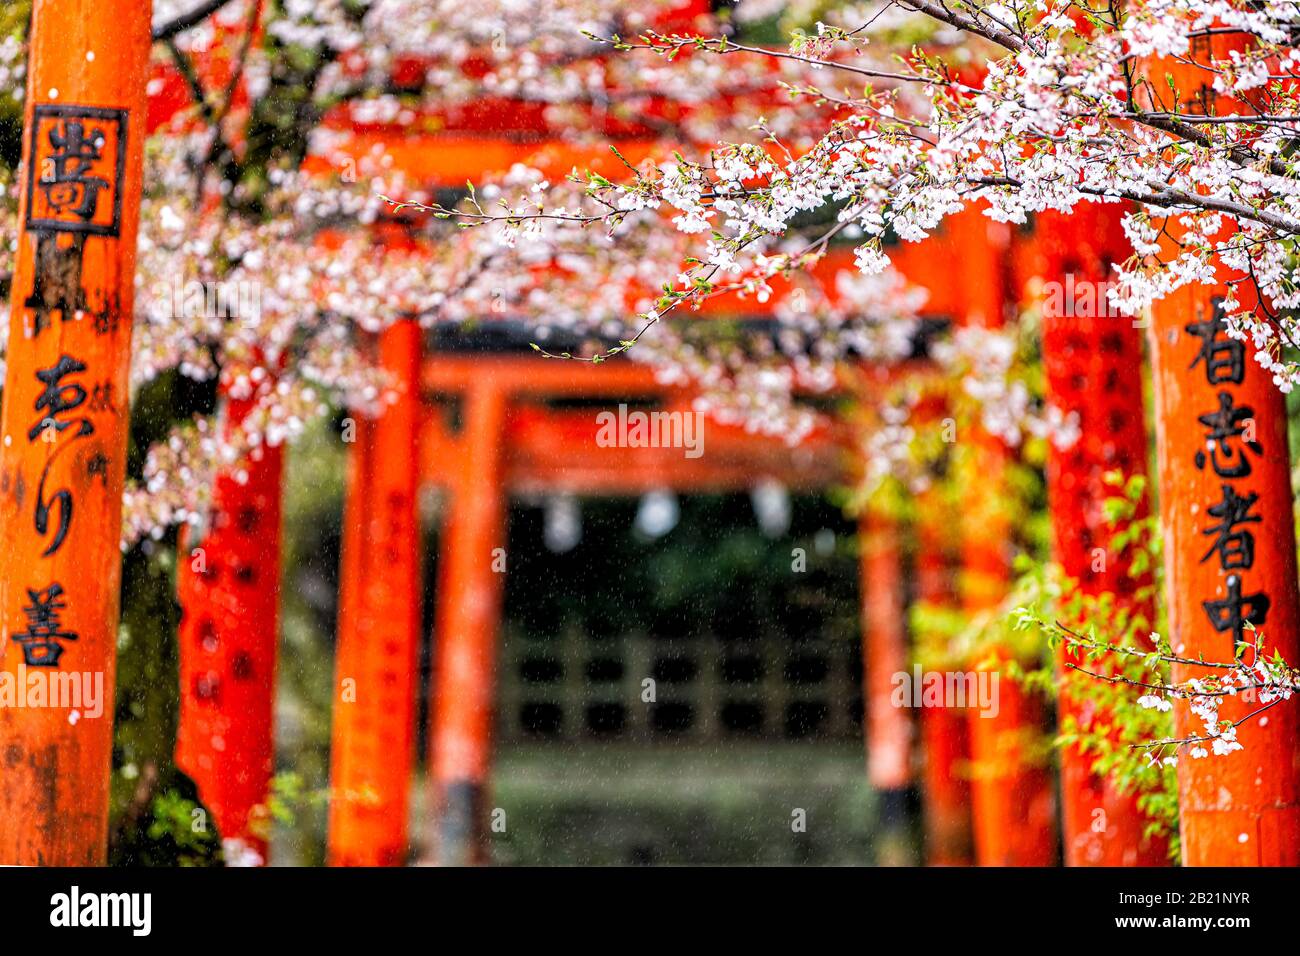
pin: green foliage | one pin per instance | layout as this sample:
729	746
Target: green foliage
290	795
1045	598
147	825
15	19
939	631
313	503
174	828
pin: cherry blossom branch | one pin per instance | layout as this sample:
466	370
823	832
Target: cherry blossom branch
1169	198
1271	681
722	46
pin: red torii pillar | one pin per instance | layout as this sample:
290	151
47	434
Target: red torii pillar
889	730
228	584
373	734
1222	437
471	569
1093	364
63	456
1242	809
1011	797
1011	792
945	738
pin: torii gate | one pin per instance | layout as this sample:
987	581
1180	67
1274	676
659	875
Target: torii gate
460	760
210	667
499	419
222	665
508	442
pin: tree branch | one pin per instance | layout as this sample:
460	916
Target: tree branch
183	22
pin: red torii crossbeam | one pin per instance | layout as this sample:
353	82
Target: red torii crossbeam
511	441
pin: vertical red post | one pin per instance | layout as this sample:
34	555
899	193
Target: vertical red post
945	739
473	565
889	730
63	453
1223	462
1011	789
373	734
1242	809
1092	357
228	583
1011	786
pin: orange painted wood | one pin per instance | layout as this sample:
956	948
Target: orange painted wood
1093	364
63	454
1011	796
472	567
968	257
1242	809
553	450
228	584
945	740
531	375
889	729
1011	788
373	733
550	449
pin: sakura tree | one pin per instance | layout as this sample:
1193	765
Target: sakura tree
1014	108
